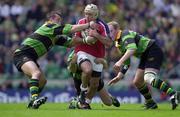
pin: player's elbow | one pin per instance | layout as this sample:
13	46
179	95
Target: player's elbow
131	51
74	29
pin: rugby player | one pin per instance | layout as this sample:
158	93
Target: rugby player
51	33
87	53
131	43
106	98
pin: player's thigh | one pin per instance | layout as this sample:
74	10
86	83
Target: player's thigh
105	97
84	62
139	78
30	68
86	66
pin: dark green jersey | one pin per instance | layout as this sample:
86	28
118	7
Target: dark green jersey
42	40
70	56
132	40
77	75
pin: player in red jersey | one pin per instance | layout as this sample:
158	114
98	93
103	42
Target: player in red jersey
86	54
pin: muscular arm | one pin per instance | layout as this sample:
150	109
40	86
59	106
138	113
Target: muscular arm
126	56
79	27
116	79
103	39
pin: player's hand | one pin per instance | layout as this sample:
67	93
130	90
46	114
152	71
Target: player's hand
117	67
93	33
74	58
90	40
114	80
101	61
94	25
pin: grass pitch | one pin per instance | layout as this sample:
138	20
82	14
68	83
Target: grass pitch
61	110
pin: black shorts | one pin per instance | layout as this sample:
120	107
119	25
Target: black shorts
151	58
19	58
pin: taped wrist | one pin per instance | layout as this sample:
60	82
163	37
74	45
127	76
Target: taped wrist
124	69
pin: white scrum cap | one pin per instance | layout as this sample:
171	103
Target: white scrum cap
91	8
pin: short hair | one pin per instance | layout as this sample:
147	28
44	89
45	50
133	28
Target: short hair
114	24
52	13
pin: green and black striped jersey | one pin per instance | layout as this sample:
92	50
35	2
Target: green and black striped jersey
77	75
132	40
70	57
42	40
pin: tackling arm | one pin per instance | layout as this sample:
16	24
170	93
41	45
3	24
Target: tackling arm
126	56
80	27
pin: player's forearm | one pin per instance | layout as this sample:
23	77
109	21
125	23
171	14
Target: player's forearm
79	27
105	40
120	75
126	56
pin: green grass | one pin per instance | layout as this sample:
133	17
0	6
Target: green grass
60	110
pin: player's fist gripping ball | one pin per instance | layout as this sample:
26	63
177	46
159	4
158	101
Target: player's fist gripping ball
86	38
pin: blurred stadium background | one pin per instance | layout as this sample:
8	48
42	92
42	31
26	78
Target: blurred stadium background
158	19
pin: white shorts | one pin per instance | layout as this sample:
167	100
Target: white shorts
81	56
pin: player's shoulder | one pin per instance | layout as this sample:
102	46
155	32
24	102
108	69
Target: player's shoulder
126	32
101	22
82	21
50	25
103	25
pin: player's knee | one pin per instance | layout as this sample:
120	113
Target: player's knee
136	83
37	74
149	76
87	72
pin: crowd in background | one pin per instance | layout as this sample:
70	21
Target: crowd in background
157	19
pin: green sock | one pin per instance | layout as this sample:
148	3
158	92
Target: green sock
144	90
34	88
163	86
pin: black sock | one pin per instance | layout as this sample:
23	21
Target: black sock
144	90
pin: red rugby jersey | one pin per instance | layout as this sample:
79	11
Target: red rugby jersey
97	49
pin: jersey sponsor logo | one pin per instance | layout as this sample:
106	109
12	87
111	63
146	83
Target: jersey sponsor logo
126	42
25	58
151	59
